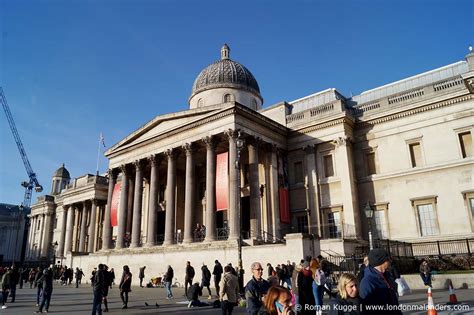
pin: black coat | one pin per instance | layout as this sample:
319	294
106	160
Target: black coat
169	275
349	306
190	273
305	290
126	282
206	277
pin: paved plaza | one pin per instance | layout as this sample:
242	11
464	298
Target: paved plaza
69	300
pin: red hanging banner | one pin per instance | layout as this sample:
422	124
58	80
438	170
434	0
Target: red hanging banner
284	205
222	182
115	204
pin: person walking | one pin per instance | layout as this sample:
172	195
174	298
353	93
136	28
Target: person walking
377	288
188	277
217	272
318	283
47	280
112	277
347	301
425	272
141	275
125	286
98	284
31	277
6	284
78	275
15	278
168	280
107	285
229	291
304	282
256	289
206	280
39	285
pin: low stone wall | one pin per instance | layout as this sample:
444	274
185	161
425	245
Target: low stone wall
465	281
156	259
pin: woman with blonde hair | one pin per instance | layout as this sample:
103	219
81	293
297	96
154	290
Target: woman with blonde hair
347	301
278	301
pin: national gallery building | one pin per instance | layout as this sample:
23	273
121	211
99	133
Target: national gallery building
310	176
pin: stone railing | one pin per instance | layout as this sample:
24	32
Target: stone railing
315	112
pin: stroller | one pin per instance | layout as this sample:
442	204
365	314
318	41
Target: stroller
155	282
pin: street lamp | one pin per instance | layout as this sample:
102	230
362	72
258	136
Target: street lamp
239	142
369	214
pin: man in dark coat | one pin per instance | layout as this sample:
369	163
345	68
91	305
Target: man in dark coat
377	286
47	280
305	281
217	272
15	278
98	283
206	279
188	278
256	289
141	275
195	291
168	280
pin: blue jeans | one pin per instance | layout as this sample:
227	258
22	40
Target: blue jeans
97	303
426	278
39	293
168	289
287	281
318	294
45	300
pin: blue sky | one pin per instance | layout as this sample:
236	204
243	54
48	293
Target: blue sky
73	69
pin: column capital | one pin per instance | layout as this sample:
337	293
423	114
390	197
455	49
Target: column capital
93	201
112	173
154	159
309	148
124	169
210	142
171	154
189	148
138	164
231	133
254	141
342	141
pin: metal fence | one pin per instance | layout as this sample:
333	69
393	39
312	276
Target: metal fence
441	248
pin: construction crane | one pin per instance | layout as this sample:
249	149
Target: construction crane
33	181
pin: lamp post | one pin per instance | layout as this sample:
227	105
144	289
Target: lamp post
369	214
239	142
19	214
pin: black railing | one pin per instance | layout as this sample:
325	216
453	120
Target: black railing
394	248
270	238
440	248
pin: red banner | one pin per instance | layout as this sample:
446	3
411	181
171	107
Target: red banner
284	205
115	204
222	182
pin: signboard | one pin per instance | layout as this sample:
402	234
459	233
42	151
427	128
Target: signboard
222	182
115	204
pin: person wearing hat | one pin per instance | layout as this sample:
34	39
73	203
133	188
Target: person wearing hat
304	282
377	286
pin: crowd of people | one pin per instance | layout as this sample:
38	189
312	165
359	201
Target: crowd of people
289	288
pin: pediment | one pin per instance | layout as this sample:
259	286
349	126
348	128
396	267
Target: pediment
163	124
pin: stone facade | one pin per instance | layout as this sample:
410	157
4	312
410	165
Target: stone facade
12	227
404	150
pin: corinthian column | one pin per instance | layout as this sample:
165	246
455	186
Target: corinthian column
69	229
91	242
62	237
137	205
153	202
122	215
210	188
170	198
107	231
82	238
255	209
189	194
234	187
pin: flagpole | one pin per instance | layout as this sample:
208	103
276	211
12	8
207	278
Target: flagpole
98	155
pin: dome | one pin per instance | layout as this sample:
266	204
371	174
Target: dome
62	172
226	73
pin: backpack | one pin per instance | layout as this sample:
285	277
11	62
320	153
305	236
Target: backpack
320	277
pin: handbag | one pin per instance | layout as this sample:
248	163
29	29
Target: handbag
402	288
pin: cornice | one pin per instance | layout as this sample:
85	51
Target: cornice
369	123
335	122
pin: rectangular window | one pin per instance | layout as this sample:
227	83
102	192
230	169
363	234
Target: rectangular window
427	220
302	224
380	224
465	140
415	154
328	167
334	223
298	166
370	161
471	203
55	223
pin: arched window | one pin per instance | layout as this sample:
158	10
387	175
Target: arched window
200	102
227	98
255	104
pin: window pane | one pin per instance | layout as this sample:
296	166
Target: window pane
415	154
427	219
465	140
370	157
298	172
381	224
328	168
334	220
471	203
